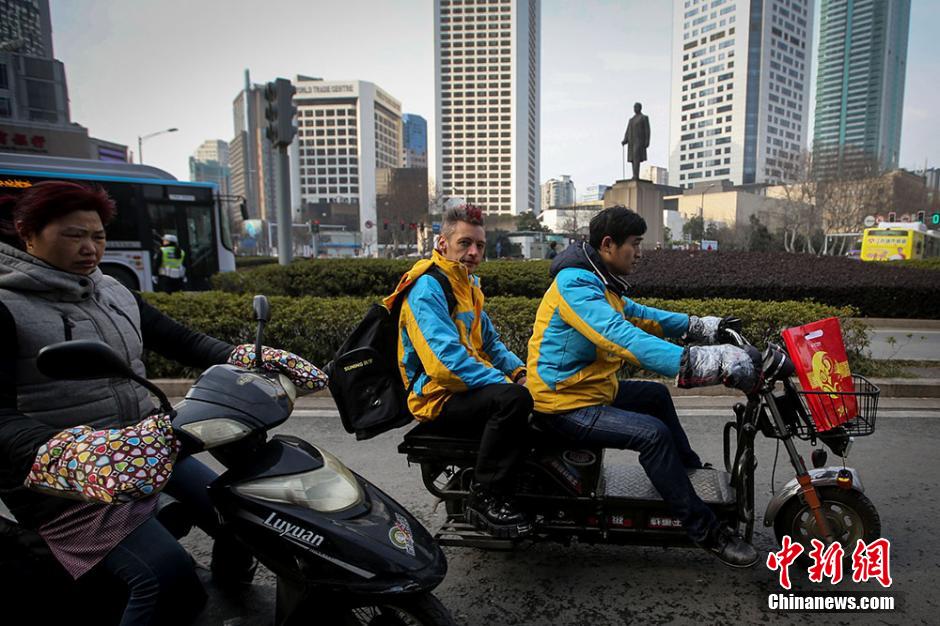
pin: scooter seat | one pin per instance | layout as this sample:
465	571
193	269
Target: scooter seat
430	441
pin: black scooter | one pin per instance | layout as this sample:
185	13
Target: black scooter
574	495
343	551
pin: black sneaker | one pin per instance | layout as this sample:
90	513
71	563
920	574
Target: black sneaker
729	548
497	515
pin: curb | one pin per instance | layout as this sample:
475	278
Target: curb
881	324
890	388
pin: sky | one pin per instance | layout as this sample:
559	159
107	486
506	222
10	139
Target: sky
135	67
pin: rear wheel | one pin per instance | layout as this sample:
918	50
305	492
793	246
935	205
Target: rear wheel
421	610
851	516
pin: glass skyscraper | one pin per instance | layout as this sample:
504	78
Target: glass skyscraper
414	140
860	84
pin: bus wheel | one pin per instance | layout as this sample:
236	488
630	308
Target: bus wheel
122	275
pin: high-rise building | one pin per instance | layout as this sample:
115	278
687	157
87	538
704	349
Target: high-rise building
558	192
212	150
414	141
740	89
860	84
34	99
486	66
251	159
26	27
210	164
345	131
655	174
592	193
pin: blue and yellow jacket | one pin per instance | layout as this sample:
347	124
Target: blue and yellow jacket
445	355
586	328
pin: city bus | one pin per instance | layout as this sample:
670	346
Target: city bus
150	203
896	241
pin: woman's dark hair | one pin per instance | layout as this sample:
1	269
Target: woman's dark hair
617	222
49	200
7	231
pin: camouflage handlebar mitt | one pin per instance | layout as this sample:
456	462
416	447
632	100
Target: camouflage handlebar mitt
306	376
112	466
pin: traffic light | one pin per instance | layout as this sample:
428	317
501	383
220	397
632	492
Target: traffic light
935	219
279	111
315	226
921	215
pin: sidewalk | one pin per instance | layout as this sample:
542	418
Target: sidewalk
880	323
890	388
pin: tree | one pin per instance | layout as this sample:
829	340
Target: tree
830	194
693	228
759	238
528	221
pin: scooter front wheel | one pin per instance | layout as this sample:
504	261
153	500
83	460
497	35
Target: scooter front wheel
851	516
420	610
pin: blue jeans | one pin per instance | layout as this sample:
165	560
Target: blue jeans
643	418
162	586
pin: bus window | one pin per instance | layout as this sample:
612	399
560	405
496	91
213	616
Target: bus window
163	220
199	227
225	222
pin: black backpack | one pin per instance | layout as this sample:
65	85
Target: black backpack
364	375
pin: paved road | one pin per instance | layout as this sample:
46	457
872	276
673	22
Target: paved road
905	344
551	584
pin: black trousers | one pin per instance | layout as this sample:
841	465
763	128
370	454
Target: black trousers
499	416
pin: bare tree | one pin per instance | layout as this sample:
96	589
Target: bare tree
800	220
827	200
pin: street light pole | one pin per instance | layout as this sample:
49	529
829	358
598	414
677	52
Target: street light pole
140	142
701	213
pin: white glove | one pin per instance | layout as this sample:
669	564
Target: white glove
702	330
710	365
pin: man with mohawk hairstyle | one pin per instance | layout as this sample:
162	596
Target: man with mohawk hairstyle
459	374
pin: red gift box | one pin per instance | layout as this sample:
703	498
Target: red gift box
818	352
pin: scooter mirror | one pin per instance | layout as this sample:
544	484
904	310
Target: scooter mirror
85	359
262	309
82	359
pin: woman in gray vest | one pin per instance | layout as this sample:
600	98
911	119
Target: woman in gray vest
51	290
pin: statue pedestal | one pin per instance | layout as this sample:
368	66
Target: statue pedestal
646	199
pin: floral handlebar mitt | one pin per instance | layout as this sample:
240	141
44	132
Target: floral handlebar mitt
112	466
306	376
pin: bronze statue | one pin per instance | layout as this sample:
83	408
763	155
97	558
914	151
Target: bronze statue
637	138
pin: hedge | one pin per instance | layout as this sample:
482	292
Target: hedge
315	327
875	289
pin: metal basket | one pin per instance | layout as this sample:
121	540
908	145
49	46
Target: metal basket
866	402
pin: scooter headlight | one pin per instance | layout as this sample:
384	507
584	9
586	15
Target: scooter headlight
216	432
327	489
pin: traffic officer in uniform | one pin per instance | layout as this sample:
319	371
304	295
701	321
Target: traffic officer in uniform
171	272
